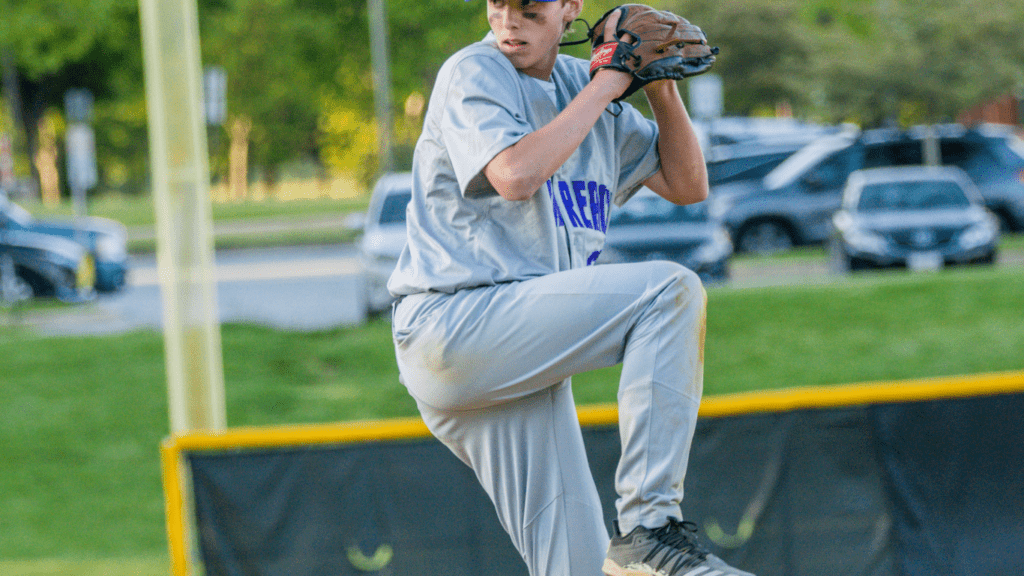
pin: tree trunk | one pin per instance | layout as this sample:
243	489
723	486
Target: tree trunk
12	92
46	163
238	160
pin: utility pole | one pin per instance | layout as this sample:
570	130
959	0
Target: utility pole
381	80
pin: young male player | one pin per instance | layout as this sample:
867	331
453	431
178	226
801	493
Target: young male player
498	303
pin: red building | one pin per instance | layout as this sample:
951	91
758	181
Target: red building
1005	109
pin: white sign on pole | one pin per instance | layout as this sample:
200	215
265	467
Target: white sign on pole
78	105
215	92
706	100
81	156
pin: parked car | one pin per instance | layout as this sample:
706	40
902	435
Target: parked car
746	160
41	265
915	217
794	203
106	240
384	237
648	227
737	148
736	129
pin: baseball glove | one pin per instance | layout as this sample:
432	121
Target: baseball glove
662	46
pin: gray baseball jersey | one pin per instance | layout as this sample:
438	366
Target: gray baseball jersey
498	307
461	232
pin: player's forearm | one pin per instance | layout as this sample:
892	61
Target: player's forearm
518	171
683	175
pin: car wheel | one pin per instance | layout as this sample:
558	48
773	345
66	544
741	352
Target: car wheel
986	260
1006	222
13	288
765	238
856	264
838	260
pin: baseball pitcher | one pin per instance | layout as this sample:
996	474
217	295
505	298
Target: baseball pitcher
524	152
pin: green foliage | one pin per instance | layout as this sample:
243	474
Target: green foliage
863	61
757	40
294	65
348	139
49	35
278	55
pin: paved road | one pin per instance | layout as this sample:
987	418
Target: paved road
304	288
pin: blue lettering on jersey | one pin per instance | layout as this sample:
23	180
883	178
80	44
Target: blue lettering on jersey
554	206
568	204
597	206
587	204
578	186
593	258
605	196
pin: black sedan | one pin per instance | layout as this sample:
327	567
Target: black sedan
648	227
914	217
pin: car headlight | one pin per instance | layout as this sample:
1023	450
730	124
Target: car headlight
717	248
110	247
865	240
978	235
86	275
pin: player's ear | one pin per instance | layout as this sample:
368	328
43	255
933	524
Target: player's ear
575	7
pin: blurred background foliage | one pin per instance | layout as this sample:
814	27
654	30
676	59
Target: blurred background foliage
300	91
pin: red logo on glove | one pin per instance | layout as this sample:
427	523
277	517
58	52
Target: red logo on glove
602	55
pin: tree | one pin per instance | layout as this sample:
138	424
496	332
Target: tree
57	45
280	56
872	62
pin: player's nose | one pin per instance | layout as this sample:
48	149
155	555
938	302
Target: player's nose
509	18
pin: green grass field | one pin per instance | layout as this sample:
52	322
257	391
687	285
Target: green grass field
139	211
79	429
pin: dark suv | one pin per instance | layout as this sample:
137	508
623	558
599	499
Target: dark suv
793	204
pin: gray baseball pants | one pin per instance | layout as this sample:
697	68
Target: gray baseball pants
489	368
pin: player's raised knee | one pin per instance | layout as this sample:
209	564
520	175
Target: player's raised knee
680	275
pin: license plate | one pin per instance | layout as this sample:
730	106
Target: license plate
924	261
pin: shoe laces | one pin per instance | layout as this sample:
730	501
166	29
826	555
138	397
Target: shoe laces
681	536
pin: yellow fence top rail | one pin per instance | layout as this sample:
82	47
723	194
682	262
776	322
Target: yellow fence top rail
818	397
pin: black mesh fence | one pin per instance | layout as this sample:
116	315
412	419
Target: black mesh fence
930	488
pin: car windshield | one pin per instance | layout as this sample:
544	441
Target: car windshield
393	210
803	159
15	213
922	195
654	209
1010	151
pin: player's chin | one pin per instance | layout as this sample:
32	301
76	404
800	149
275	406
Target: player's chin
519	60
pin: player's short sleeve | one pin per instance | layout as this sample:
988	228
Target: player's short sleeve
637	139
483	115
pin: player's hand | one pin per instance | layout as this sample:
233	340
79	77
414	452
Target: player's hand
617	81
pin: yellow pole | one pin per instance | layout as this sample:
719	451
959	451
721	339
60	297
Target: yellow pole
181	192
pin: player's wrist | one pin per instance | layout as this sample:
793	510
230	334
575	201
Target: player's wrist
666	88
611	83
